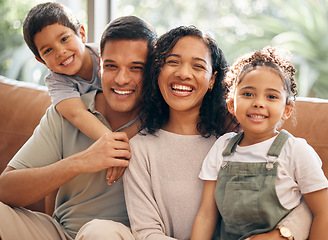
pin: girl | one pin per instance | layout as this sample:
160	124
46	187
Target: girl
261	174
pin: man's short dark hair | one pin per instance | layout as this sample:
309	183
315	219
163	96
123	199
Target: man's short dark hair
45	14
128	28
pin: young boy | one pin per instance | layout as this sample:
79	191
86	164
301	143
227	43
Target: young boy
57	40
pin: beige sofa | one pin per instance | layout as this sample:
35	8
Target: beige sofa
23	104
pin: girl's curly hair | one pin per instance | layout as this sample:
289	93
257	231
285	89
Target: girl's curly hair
268	57
155	112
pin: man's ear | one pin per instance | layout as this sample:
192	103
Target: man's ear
288	110
83	34
231	105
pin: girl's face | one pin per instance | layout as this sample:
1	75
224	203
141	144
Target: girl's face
259	104
186	75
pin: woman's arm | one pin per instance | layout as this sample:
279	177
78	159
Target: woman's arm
297	221
317	202
207	216
143	210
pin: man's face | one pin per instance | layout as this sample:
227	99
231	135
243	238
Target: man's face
122	65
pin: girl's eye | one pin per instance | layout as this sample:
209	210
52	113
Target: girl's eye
272	97
247	94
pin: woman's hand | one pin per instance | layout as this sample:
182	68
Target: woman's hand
273	235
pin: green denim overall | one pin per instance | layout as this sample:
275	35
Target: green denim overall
245	193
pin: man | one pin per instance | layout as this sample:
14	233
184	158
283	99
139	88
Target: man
59	156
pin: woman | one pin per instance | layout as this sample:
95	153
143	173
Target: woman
184	111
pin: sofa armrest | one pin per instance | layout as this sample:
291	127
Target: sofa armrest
22	106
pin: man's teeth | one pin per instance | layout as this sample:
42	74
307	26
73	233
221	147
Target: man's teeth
68	61
181	88
257	116
123	92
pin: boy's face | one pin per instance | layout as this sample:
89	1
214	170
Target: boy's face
61	49
121	69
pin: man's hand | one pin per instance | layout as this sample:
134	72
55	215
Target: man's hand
111	150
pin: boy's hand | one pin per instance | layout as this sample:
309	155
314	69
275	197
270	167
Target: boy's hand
114	173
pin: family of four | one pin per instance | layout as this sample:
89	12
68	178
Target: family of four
206	159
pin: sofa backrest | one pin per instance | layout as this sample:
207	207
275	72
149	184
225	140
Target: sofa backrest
22	105
308	122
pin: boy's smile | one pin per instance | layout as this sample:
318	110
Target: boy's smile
63	51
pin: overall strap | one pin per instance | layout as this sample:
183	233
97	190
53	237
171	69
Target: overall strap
274	150
231	147
278	143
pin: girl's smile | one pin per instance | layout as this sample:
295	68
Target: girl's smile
260	103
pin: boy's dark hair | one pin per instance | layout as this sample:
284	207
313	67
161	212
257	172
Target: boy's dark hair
213	111
128	28
45	14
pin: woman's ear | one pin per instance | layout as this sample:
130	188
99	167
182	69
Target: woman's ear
289	108
212	81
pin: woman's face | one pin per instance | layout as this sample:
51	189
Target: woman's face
186	75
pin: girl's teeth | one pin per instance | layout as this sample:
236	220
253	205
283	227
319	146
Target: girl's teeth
257	116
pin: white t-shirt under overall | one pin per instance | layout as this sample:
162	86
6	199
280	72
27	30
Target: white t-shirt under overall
299	166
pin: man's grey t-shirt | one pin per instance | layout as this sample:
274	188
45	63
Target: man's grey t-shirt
86	196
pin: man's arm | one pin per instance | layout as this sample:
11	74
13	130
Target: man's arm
22	187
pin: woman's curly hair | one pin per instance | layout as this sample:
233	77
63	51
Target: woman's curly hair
155	112
268	57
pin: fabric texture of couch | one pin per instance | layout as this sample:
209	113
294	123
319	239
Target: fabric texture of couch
23	104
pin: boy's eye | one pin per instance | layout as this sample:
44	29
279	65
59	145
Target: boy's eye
64	39
47	51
